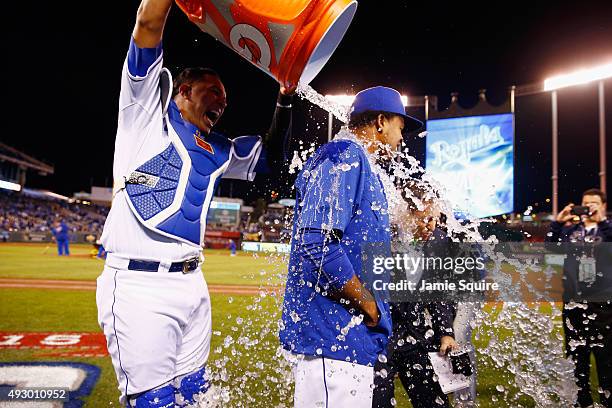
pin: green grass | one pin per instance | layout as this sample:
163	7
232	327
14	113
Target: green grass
42	310
38	310
40	261
248	364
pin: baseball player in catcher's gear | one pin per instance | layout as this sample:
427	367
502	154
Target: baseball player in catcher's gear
331	322
153	302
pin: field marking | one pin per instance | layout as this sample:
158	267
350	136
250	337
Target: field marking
68	344
12	283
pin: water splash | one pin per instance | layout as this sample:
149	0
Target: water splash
516	339
340	112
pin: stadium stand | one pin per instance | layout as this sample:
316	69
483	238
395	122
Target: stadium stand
20	212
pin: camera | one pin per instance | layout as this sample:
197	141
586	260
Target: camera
460	362
580	210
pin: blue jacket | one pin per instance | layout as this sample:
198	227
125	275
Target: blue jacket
340	208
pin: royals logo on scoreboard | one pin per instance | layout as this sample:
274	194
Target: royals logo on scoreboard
473	158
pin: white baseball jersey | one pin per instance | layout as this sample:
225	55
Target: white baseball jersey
141	135
158	324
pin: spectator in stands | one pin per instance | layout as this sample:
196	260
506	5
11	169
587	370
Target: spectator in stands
62	237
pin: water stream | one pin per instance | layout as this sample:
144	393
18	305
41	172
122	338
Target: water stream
520	343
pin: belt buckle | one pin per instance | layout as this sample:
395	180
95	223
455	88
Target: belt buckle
187	264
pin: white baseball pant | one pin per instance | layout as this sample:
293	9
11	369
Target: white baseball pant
157	325
326	383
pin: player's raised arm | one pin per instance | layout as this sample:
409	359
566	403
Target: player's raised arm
276	139
260	154
140	94
150	22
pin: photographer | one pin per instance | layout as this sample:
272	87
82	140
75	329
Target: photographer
581	232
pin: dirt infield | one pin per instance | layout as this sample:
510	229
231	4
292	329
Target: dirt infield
6	283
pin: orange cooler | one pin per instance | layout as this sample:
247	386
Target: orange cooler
291	40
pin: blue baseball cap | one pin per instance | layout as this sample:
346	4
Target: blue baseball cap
383	99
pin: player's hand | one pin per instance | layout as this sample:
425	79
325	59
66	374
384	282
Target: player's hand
596	216
447	344
358	298
566	214
287	91
372	317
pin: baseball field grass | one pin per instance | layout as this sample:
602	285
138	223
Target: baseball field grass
243	350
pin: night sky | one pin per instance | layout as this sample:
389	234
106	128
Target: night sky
61	71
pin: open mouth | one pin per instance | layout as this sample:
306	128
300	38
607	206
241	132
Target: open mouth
212	116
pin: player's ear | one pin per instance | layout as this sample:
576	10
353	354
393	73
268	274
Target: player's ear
185	91
380	122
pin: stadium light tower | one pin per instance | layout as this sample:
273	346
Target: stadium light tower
7	185
580	77
346	101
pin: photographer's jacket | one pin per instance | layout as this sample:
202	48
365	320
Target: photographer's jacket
582	246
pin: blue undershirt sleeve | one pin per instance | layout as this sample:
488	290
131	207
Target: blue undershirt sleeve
139	60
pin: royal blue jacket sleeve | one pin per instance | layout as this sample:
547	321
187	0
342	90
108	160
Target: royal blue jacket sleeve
327	256
327	194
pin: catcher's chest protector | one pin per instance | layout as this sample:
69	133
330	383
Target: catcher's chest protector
170	193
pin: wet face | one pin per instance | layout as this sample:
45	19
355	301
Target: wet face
202	102
392	128
594	203
426	220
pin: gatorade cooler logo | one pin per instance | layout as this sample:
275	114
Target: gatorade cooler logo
279	37
251	44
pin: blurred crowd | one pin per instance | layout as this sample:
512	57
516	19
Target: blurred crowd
22	213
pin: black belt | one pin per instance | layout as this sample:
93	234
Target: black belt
150	266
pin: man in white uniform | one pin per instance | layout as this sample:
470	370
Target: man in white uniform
153	302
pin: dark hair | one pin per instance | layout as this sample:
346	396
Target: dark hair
597	192
189	76
420	189
367	118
